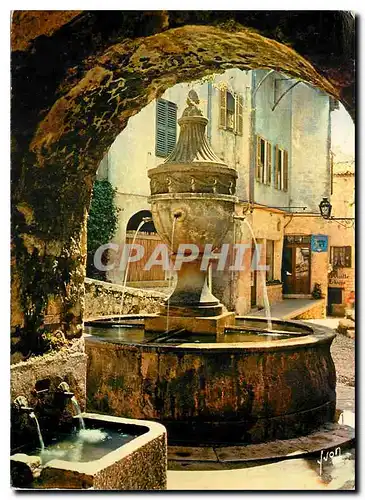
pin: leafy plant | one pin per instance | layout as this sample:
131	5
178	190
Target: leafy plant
317	291
101	224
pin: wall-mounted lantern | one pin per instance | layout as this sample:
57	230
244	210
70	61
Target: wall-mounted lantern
325	207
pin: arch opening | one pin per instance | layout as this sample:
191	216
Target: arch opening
59	142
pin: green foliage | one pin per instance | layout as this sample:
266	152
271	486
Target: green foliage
317	291
101	224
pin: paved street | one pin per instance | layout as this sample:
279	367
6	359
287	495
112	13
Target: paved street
293	474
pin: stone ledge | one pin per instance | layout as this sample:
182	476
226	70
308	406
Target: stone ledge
327	437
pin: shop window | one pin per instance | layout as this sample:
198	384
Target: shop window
263	160
231	111
281	169
341	256
270	256
166	119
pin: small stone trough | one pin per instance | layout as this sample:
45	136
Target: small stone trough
139	464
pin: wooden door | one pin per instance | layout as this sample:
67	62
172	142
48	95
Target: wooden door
137	272
296	266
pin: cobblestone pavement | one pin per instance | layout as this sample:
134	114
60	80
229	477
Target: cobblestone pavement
343	353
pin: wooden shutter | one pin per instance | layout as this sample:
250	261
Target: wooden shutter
347	256
166	115
269	163
171	126
277	153
258	157
285	169
238	115
223	108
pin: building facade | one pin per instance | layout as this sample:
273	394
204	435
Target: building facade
276	132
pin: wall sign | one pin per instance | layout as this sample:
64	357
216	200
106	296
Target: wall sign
319	243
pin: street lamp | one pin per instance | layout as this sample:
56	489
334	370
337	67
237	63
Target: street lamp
325	207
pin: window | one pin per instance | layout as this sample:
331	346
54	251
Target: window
270	246
231	111
340	256
166	117
263	161
281	169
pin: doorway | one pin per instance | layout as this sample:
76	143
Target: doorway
334	297
296	265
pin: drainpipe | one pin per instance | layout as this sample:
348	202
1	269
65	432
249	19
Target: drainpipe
329	148
251	185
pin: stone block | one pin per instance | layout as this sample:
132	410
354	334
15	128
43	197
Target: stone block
140	464
23	469
350	333
208	325
344	325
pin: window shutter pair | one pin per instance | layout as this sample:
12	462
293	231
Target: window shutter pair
238	111
166	118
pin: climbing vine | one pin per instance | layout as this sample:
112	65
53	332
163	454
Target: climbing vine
101	224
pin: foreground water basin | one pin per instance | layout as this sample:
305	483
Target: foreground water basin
84	445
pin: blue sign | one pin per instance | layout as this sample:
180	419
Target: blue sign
319	243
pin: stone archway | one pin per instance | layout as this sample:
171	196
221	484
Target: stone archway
77	77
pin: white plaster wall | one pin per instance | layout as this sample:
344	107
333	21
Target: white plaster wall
310	173
133	152
274	126
232	148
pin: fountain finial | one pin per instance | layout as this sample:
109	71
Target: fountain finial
192	101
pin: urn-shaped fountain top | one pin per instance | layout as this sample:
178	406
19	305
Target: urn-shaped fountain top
192	166
193	145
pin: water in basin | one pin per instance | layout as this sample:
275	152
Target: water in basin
84	445
132	331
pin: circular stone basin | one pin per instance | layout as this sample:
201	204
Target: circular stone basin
246	385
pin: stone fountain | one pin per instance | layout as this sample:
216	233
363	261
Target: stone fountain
206	374
192	202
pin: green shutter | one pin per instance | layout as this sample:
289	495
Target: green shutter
171	126
166	115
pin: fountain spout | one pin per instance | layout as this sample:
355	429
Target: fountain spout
21	404
64	390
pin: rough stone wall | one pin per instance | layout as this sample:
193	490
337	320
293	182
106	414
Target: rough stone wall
342	198
182	387
316	312
102	299
144	469
96	70
275	293
67	365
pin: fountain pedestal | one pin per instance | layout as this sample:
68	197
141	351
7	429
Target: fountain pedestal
194	324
